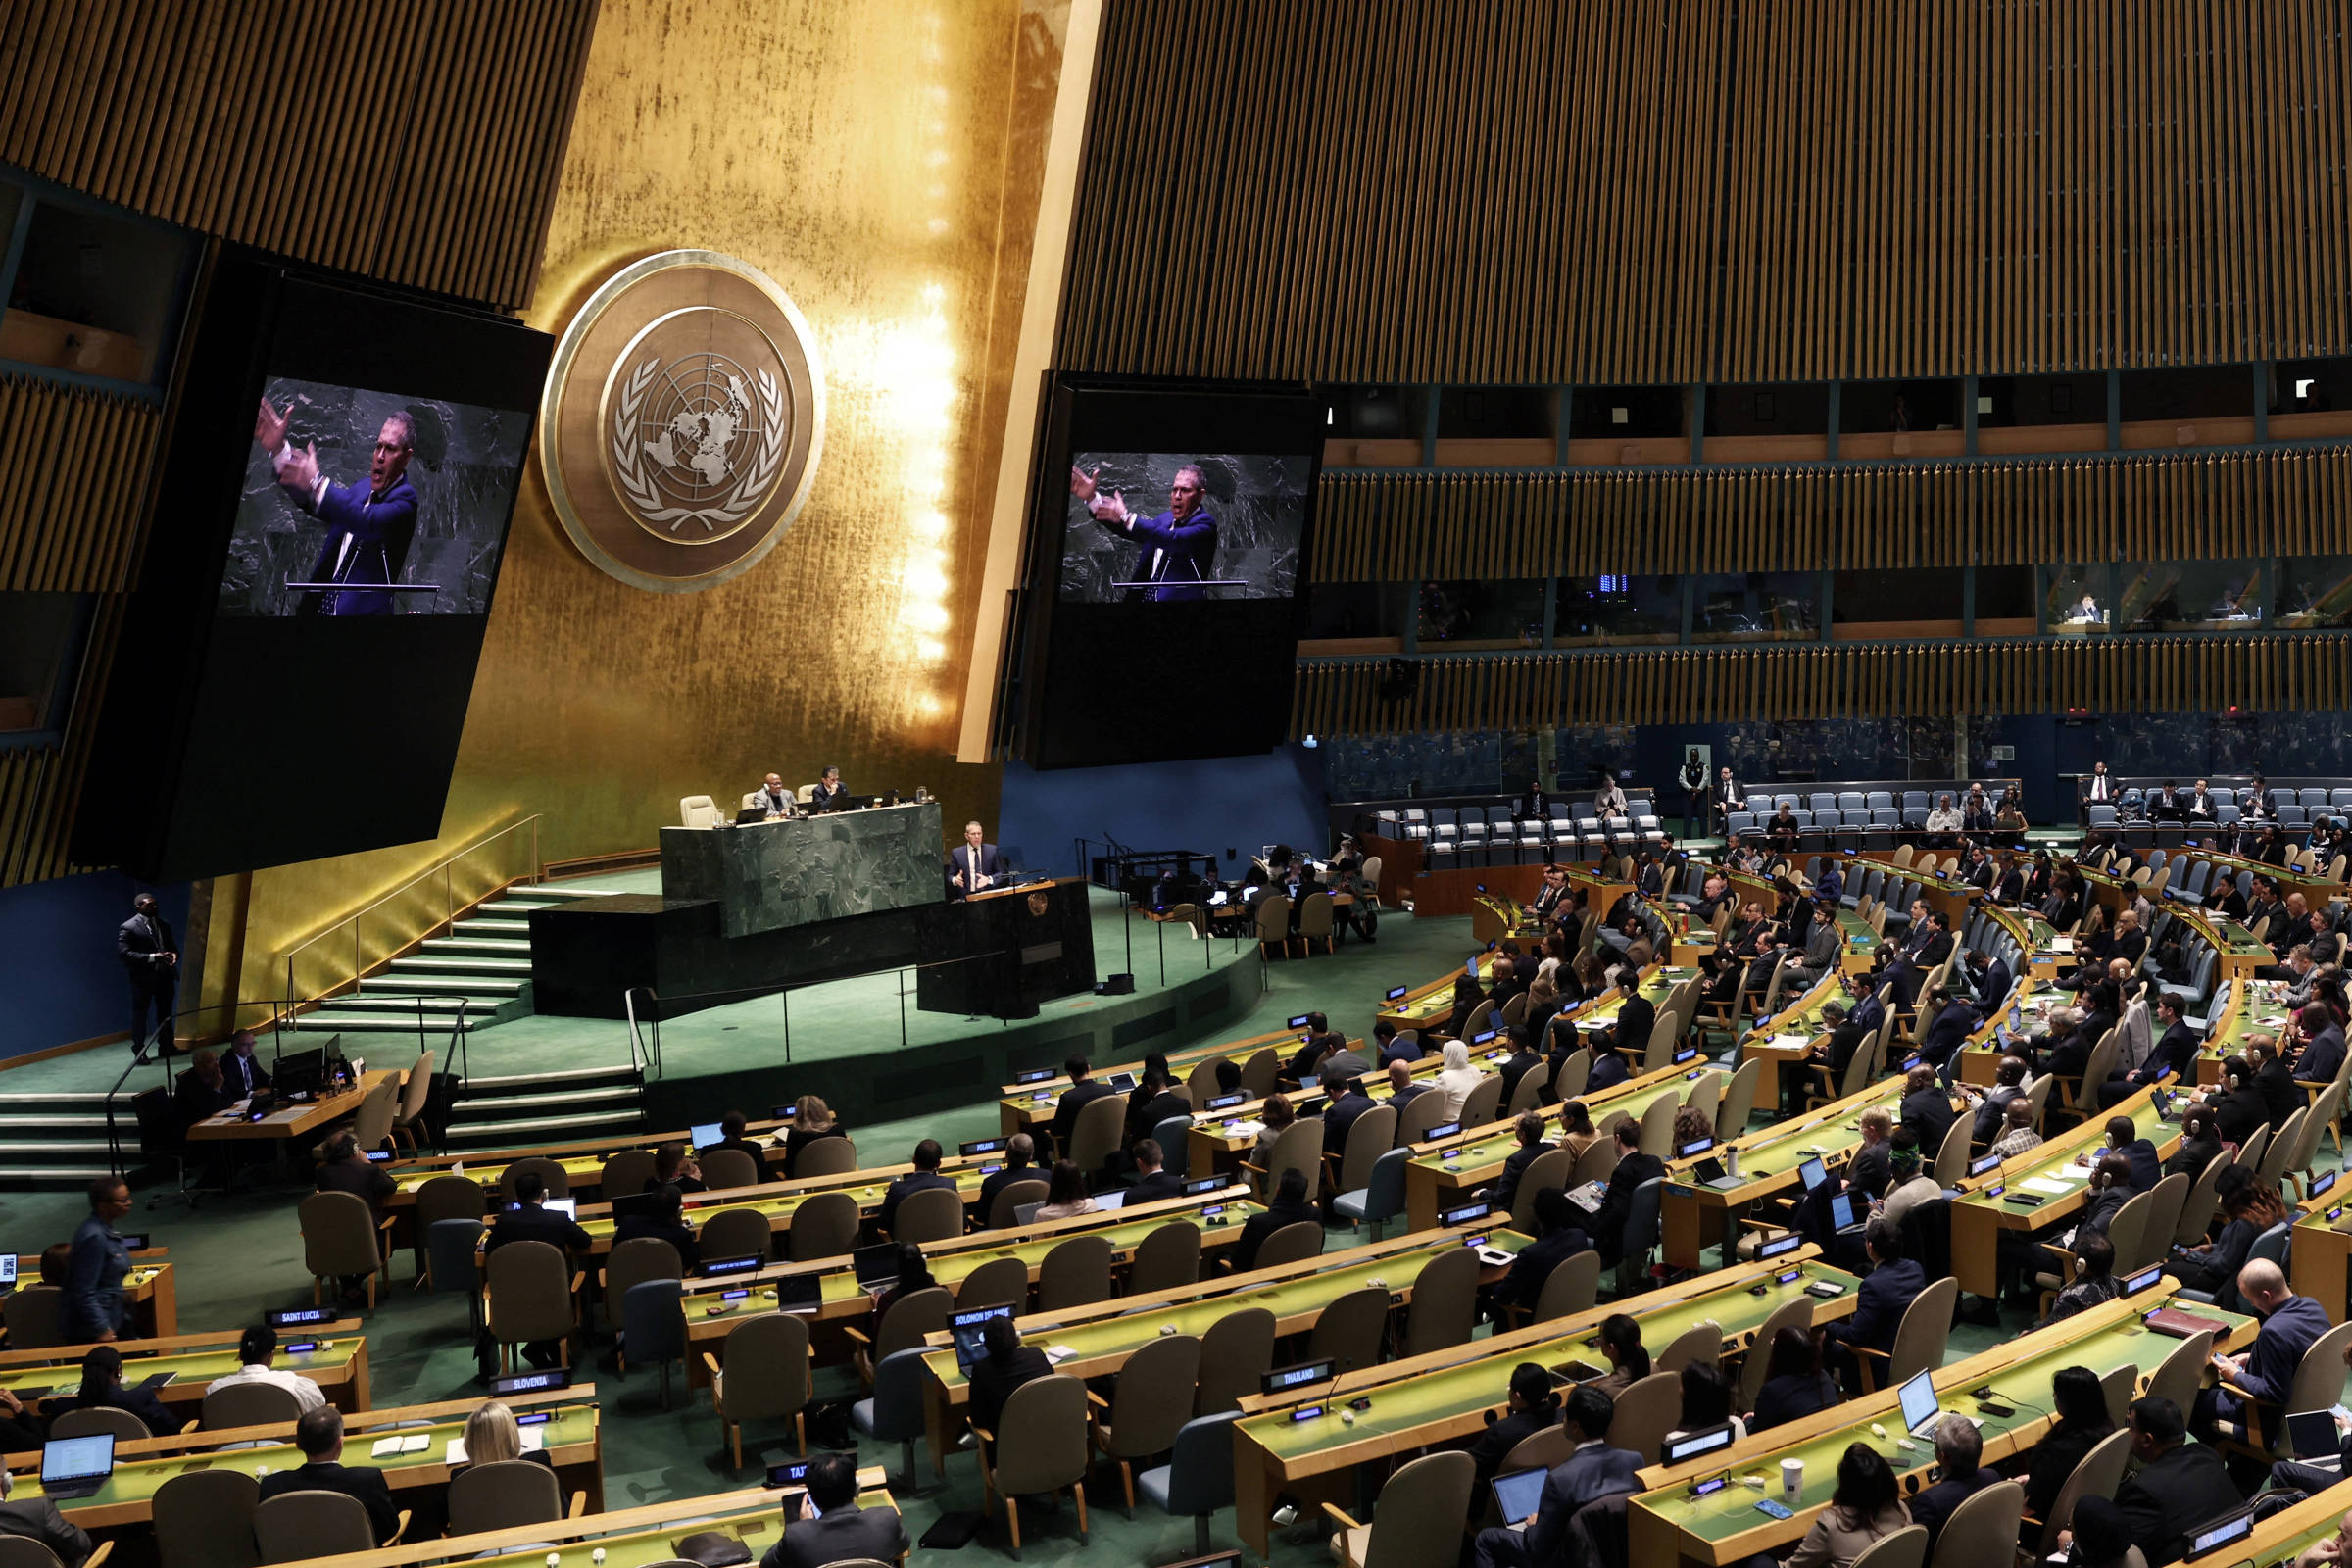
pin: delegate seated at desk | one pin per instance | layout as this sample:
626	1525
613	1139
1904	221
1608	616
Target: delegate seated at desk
774	799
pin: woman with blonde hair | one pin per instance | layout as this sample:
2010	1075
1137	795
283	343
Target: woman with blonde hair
491	1434
811	1119
1455	1080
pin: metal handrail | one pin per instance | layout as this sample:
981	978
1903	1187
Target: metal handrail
448	921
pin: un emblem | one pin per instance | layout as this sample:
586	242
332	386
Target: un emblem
682	421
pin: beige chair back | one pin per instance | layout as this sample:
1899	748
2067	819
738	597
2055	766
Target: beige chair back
825	1156
2319	1380
2200	1202
2119	1386
1153	1399
823	1225
1350	1329
934	1214
2182	1372
1484	1102
1481	1019
1951	1159
1261	1073
725	1169
1574	1072
415	1089
92	1420
1418	1519
1795	1314
697	810
502	1494
1700	1342
2282	1149
1314	917
1050	1415
1529	1091
1658	1126
295	1525
1370	1136
1298	1147
626	1173
1097	1132
1273	920
998	1282
1074	1273
372	1125
2166	1199
1665	1036
204	1519
1294	1243
1421	1112
1201	1087
1547	1450
1706	1093
338	1236
1645	1413
2037	1100
530	1293
766	1361
1573	1286
1011	1196
249	1405
1549	1170
910	1317
1445	1300
558	1179
2095	1475
633	1262
1906	1548
1515	1009
1982	1529
738	1233
1598	1163
1236	1351
1167	1259
1919	1340
32	1315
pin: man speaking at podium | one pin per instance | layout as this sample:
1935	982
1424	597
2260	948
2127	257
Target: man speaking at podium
1177	546
368	527
974	866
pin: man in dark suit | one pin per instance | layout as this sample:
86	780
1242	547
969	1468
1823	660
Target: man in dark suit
1020	1151
2323	1055
1729	797
2178	1487
842	1531
1082	1090
1530	1128
731	1130
1402	1086
1960	1450
830	793
1879	1304
1152	1183
1911	968
922	1178
1990	977
1872	1167
1869	1011
1289	1207
2175	1052
973	866
2094	788
1634	1015
657	1212
1007	1365
2290	1325
1153	1101
1348	1101
1394	1047
1175	551
1592	1471
241	1068
1524	1056
1829	1058
368	527
2122	1138
1927	1111
532	1221
202	1091
1955	1020
150	957
348	1169
37	1519
2068	1044
319	1433
1559	1236
1634	1167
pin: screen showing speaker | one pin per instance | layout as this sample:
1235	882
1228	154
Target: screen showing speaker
1167	569
294	669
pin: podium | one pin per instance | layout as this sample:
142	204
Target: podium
1002	952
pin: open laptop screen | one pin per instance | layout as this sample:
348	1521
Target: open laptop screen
1517	1493
1919	1403
66	1460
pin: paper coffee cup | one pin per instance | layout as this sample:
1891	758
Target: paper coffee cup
1793	1479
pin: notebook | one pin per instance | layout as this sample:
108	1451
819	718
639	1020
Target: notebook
399	1443
2180	1325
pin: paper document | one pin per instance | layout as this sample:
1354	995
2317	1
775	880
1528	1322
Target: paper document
1058	1354
457	1452
2044	1183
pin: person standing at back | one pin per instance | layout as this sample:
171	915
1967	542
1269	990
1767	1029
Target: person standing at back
94	1311
150	957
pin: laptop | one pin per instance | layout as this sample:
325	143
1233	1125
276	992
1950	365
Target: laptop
1921	1410
1812	1174
750	813
2315	1438
1842	1212
875	1265
640	1204
966	1328
704	1134
799	1293
1516	1495
75	1467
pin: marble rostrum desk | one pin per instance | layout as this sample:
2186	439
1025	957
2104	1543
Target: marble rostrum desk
765	877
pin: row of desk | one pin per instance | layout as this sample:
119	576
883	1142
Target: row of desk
337	1362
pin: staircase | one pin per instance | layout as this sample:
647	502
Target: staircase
59	1139
543	1107
486	961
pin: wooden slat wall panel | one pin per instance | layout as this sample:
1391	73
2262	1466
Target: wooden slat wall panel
417	144
73	469
1406	524
1710	685
1697	190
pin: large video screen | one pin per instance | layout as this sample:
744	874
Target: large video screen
1167	565
293	676
1159	527
361	501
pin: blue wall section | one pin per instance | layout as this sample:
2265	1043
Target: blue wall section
1212	806
57	958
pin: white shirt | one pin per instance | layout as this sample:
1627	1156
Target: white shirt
306	1394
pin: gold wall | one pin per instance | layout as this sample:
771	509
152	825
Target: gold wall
879	158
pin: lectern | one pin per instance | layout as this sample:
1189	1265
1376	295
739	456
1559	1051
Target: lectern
1002	952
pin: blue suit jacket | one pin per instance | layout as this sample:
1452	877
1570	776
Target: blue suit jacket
2279	1345
379	531
1879	1304
1175	556
1992	988
1584	1475
992	864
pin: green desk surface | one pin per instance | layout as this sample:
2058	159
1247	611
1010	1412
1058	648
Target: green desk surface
1777	1151
781	1206
2257	1009
2058	1164
1656	987
1420	1007
1110	1336
759	1532
1400	1407
194	1369
1802	1016
1489	1153
1238	1125
2023	1386
951	1268
136	1483
1859	937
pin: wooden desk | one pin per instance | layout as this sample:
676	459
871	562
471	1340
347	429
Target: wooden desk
1218	1142
2322	1253
1788	1041
1982	1210
339	1366
1665	1525
1692	1214
1441	1173
1429	1006
151	1290
127	1499
1022	1107
583	1161
286	1123
1446	1395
